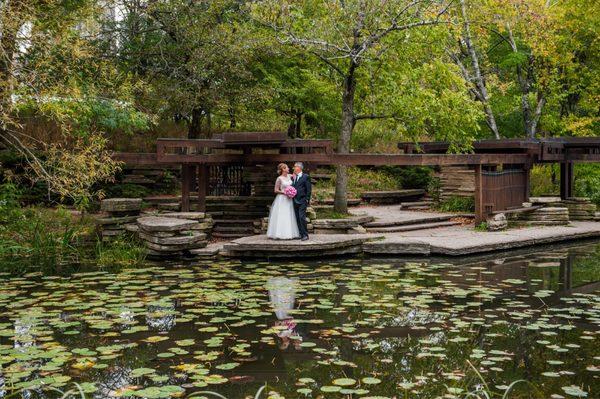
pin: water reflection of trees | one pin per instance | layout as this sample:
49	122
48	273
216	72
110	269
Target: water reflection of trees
161	315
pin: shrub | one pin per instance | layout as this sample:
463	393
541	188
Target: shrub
587	181
545	180
125	251
126	190
457	204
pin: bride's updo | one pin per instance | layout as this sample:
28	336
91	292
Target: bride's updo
280	168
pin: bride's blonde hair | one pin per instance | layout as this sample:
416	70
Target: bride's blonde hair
280	168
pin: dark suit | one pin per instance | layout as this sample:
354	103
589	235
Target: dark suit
301	201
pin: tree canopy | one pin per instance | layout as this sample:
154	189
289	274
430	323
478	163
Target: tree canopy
366	73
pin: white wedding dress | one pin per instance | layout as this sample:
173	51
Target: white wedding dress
282	219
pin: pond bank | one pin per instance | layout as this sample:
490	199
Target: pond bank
447	241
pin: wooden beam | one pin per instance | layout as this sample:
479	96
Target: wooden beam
478	195
202	174
135	158
186	183
566	180
350	159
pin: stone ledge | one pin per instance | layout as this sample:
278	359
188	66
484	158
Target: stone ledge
156	223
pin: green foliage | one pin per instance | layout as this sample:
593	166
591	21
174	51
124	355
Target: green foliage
329	213
412	176
457	204
34	239
359	181
434	189
545	180
483	226
301	89
124	251
587	182
89	114
126	190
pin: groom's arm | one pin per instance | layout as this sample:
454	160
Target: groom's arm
308	190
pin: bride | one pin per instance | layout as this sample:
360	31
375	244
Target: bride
282	219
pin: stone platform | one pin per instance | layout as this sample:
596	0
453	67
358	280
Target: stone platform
464	240
448	241
319	245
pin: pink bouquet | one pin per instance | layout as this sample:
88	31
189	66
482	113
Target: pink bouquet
290	192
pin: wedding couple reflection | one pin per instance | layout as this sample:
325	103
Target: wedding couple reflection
282	295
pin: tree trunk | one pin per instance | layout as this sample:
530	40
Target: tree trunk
341	184
195	126
208	132
292	129
297	130
525	77
482	92
232	120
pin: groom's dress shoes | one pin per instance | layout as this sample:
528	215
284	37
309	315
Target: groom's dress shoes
305	238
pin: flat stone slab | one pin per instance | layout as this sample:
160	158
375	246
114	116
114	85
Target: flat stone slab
463	240
116	220
176	240
317	243
211	250
121	204
185	215
445	241
544	200
393	215
346	223
155	223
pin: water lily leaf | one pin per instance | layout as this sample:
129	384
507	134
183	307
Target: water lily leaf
344	382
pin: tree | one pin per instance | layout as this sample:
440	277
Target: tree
300	92
473	75
198	57
346	36
51	68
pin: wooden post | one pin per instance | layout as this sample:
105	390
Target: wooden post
202	187
479	208
186	183
566	180
527	169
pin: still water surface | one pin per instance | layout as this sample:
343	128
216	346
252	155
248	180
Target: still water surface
333	328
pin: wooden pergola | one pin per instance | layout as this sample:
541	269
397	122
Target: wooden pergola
501	167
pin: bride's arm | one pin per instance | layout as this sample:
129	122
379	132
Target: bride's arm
278	189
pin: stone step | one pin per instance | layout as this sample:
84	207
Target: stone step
217	234
416	203
408	222
234	229
416	208
234	207
411	227
235	221
229	214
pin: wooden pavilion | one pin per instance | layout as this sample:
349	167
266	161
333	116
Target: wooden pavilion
220	165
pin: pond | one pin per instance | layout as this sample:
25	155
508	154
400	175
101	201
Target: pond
404	328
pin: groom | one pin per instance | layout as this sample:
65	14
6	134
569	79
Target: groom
301	183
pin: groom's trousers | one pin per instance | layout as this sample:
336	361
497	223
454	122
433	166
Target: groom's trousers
300	210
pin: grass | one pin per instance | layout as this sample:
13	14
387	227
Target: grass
124	251
483	226
374	179
329	213
456	204
53	240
